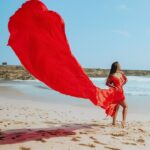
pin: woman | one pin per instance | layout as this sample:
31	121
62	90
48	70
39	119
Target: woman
117	80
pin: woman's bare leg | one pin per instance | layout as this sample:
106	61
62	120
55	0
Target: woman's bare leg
115	115
124	112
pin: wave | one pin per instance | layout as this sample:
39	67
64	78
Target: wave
139	86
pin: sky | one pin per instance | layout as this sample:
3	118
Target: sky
99	31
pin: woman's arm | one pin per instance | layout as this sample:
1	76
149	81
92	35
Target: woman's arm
109	82
124	77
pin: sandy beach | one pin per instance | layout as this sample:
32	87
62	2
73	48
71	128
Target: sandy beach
59	59
26	124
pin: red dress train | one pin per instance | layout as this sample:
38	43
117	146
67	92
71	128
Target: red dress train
38	38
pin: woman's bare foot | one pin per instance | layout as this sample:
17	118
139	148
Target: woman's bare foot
113	124
123	123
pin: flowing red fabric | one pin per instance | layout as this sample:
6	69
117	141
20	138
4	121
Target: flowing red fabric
38	38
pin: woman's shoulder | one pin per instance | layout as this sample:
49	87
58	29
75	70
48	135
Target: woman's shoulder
121	72
117	74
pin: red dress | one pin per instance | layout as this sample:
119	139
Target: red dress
110	98
117	82
37	36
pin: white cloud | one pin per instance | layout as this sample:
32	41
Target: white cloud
121	32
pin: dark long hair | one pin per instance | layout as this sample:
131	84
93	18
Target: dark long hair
114	68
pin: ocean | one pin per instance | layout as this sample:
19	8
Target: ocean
137	91
137	86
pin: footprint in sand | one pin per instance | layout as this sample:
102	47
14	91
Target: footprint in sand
8	123
141	141
121	133
112	148
129	143
88	145
141	130
96	141
83	133
96	125
24	148
75	139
